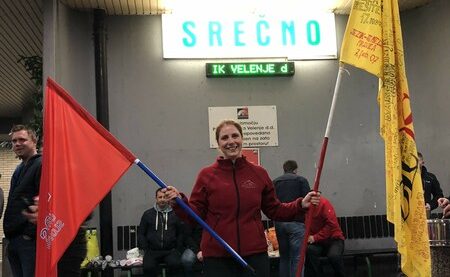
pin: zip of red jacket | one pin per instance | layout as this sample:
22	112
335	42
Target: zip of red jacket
229	198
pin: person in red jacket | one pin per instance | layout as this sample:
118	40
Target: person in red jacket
326	239
229	196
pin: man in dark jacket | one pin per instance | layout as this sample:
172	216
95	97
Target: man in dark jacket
160	236
431	187
20	232
22	212
2	200
289	187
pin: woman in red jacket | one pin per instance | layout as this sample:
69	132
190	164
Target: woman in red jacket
230	195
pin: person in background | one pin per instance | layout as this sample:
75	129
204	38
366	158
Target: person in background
431	188
2	200
444	203
22	212
326	239
20	232
230	195
161	237
192	254
289	187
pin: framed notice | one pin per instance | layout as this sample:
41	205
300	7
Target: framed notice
259	124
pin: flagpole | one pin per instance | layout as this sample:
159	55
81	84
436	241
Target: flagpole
196	217
319	170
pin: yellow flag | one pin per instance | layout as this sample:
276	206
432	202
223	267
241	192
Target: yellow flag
373	42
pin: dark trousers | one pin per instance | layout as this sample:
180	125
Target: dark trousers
333	249
70	262
189	260
226	267
152	259
22	255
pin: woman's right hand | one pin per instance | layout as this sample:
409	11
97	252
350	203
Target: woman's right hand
171	193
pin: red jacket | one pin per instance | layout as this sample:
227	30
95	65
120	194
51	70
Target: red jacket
230	200
324	225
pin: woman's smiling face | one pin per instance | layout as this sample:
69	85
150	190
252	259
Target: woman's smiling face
230	142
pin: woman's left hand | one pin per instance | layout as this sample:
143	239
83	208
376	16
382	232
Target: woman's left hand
313	197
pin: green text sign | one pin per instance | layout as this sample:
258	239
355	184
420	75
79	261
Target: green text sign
250	69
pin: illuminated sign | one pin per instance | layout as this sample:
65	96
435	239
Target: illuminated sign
248	69
296	37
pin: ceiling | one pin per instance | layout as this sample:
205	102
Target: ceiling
153	7
21	34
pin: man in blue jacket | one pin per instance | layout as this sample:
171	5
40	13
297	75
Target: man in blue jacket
289	187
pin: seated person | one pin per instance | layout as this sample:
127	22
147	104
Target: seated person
431	188
160	236
444	203
326	239
192	254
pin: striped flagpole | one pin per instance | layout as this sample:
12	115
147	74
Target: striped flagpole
319	171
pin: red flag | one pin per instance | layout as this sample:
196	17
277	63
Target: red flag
81	163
